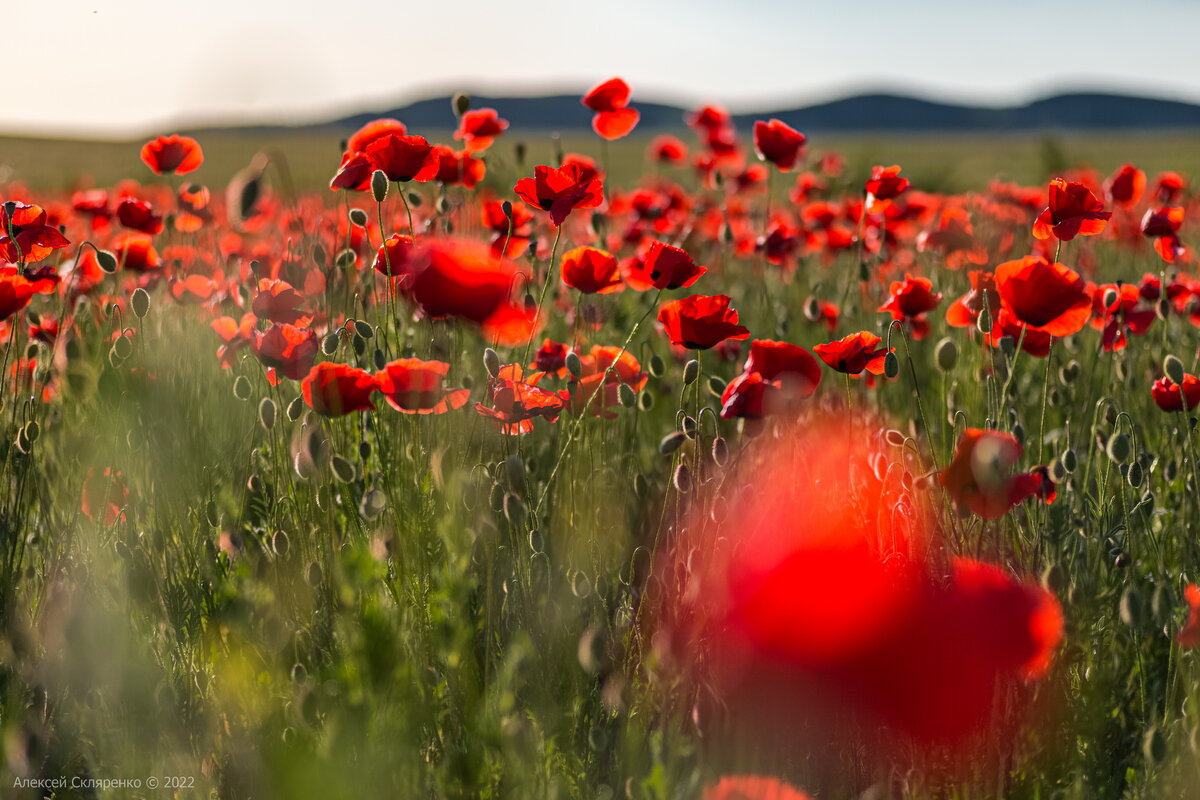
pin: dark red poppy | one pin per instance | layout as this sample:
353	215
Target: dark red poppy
517	401
1168	187
911	298
1170	396
354	173
394	255
175	154
560	190
964	311
403	158
1163	225
774	373
700	321
334	390
1047	297
979	478
285	348
591	271
778	143
709	118
663	266
16	290
105	496
551	358
854	353
610	101
413	386
25	235
1126	186
277	301
478	128
1073	211
138	215
885	184
458	168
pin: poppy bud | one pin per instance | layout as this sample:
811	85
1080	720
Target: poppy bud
22	443
657	367
107	261
641	487
671	442
1162	603
359	344
295	409
537	542
123	347
626	395
319	256
895	438
280	544
1008	346
1053	578
363	329
682	479
358	217
32	431
364	450
1134	475
1117	447
415	200
891	365
1018	432
506	208
1162	308
254	484
1154	745
720	451
491	362
266	413
314	574
460	103
212	514
241	387
946	354
1110	297
1130	607
343	470
346	258
139	301
373	503
514	509
379	185
691	371
716	386
1122	560
983	323
379	358
645	401
574	365
864	272
329	344
514	473
1069	461
1173	367
689	427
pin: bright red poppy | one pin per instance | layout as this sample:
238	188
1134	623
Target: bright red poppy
774	373
1073	211
979	477
413	386
478	128
334	390
517	400
778	143
1171	396
403	158
1189	634
135	251
1162	225
854	353
25	235
139	215
700	322
664	267
964	311
393	256
175	154
285	348
667	149
277	301
752	787
1126	186
358	141
885	185
911	298
591	271
458	168
1047	297
560	190
16	290
610	100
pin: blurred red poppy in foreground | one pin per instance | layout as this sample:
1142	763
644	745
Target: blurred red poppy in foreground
413	386
610	101
1073	211
700	322
560	190
1189	635
752	787
980	479
334	390
16	290
177	155
1049	298
1170	396
822	590
105	496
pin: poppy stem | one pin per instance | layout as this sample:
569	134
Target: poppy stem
412	232
542	297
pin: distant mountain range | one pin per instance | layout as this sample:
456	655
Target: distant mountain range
862	113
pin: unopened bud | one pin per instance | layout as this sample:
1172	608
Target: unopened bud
379	185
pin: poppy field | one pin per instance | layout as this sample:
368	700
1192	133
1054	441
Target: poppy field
460	473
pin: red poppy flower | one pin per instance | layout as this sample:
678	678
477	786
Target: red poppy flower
610	101
461	278
551	358
1046	297
591	271
752	787
667	149
663	266
1126	186
1073	211
954	237
700	322
135	251
413	386
854	353
93	203
778	143
774	372
393	257
178	155
354	173
511	236
1170	396
24	235
334	390
885	184
517	401
358	141
285	348
1168	187
1032	341
1189	634
560	190
277	301
979	477
403	158
478	128
911	298
1163	225
458	168
105	496
964	311
16	290
138	215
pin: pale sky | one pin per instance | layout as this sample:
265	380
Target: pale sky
133	67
